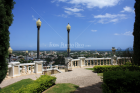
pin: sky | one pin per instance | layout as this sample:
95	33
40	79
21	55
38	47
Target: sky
95	24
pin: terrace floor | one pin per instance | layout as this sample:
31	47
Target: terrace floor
88	81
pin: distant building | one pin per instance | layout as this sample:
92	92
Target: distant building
45	52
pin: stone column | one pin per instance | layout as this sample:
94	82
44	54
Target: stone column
103	61
100	61
56	66
75	63
106	62
94	62
109	61
97	62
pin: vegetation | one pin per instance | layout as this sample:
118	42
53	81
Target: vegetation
62	88
16	86
136	33
6	18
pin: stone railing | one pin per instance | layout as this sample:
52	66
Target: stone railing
82	61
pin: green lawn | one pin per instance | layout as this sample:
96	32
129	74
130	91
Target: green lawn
62	88
16	85
99	74
58	88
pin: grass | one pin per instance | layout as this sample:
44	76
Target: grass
16	85
99	74
62	88
58	88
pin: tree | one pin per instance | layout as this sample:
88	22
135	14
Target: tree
6	19
136	33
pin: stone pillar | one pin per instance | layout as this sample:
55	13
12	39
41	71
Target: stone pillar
75	63
82	61
38	68
106	62
100	61
87	62
94	62
109	61
97	62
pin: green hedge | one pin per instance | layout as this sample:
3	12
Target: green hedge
38	86
121	82
101	69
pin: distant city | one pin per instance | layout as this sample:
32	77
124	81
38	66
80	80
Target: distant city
59	55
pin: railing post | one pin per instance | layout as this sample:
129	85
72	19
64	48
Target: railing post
38	67
27	69
31	69
100	61
97	62
75	63
106	62
23	70
103	61
109	61
94	62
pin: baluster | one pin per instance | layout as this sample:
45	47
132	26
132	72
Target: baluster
23	70
90	62
103	61
109	61
94	62
75	63
100	61
27	70
87	62
106	62
31	69
97	62
7	76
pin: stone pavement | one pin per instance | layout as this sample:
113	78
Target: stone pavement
88	81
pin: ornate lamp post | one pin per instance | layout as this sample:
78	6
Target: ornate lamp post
38	23
26	55
10	52
68	29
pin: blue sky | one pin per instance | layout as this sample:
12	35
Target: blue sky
95	24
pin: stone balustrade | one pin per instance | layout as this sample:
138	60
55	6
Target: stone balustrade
17	69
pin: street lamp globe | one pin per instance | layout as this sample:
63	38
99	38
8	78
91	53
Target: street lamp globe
38	23
26	52
68	27
10	50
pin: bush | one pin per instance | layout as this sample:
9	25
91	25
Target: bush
39	85
121	81
128	63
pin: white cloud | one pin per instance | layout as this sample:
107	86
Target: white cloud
78	15
57	4
94	3
128	33
93	30
34	18
107	15
107	18
114	20
116	34
62	0
74	9
53	1
68	12
63	15
127	9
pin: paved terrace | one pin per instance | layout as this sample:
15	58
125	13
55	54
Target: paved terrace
88	81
